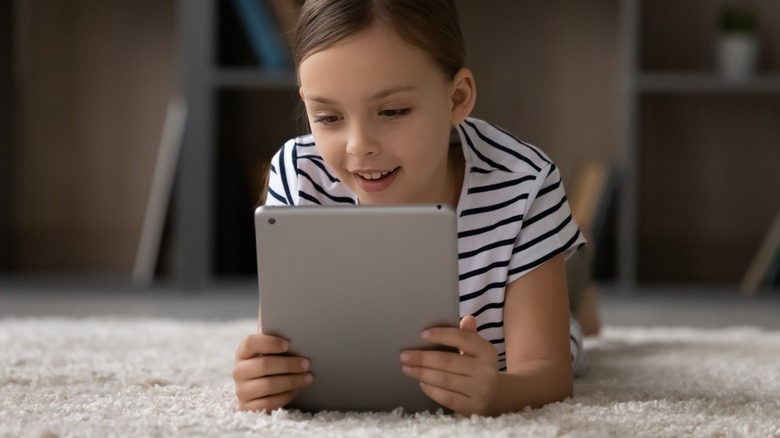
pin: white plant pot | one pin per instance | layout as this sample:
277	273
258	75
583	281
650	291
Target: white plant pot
737	55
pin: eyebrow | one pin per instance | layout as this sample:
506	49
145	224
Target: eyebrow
380	95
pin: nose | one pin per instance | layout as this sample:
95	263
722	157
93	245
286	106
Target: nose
362	141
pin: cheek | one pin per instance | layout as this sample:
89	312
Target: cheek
331	150
429	144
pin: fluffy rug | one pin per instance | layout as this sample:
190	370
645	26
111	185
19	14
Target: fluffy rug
152	377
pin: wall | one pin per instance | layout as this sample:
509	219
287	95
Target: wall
93	81
548	72
6	131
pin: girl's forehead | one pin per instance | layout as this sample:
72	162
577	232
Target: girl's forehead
379	40
378	52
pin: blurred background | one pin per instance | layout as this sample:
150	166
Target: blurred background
133	135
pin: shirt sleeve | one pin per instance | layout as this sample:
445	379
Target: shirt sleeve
548	227
282	177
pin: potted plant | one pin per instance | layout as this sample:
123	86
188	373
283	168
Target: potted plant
737	44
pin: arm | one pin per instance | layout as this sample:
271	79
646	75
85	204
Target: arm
536	328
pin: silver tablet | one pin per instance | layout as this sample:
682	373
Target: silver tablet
351	287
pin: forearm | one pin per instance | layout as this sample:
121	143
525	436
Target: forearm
533	384
536	329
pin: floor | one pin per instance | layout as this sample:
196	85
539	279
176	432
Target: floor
695	307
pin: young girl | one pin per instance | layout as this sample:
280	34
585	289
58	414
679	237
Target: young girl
388	100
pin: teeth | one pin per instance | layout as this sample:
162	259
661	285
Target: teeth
373	175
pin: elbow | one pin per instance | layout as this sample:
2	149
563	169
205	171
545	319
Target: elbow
565	384
536	384
559	388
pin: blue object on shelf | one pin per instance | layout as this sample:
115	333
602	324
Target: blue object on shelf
270	51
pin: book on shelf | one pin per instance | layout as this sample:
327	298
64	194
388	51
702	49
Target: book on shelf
764	269
159	199
264	34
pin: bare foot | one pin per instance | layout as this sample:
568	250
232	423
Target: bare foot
588	315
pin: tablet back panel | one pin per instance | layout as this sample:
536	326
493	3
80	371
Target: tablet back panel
351	287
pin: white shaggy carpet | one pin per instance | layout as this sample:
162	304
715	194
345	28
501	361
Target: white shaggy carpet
151	377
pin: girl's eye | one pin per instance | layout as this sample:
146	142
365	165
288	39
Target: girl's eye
326	119
392	113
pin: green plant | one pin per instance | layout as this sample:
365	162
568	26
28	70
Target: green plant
737	20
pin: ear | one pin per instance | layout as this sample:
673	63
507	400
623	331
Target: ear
464	96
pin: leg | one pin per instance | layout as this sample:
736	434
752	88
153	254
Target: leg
583	294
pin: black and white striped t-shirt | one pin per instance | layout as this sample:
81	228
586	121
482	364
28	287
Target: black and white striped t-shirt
512	215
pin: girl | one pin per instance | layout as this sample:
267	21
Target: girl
388	100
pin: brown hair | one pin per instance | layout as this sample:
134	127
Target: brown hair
431	25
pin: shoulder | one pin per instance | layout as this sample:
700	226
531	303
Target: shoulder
299	174
295	148
489	148
298	156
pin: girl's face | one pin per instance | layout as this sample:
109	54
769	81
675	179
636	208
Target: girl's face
381	112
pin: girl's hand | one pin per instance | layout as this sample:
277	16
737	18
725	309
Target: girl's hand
264	379
467	382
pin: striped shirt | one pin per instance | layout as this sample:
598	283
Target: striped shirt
512	215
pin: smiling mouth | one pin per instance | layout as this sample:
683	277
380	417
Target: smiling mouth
376	176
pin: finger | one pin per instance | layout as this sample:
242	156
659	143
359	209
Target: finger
457	383
270	386
453	400
256	344
268	403
268	366
470	343
439	360
468	323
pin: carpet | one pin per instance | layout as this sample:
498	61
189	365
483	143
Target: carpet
156	377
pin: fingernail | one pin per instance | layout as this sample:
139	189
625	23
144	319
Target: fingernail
305	364
285	345
405	356
406	369
426	334
308	378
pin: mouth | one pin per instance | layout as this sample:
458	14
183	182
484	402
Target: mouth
376	175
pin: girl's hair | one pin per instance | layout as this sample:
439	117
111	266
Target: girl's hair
431	25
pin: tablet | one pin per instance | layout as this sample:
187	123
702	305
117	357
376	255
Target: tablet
351	287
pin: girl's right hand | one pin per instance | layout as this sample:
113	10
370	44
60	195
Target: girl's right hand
265	380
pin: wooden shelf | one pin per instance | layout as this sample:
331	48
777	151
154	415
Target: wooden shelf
711	83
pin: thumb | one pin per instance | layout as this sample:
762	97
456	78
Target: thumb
468	323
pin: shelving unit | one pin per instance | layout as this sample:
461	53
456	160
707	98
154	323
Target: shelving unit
236	117
695	200
687	214
224	92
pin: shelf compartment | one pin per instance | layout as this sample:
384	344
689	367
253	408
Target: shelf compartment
252	124
707	179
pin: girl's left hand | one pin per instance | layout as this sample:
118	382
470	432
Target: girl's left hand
467	382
